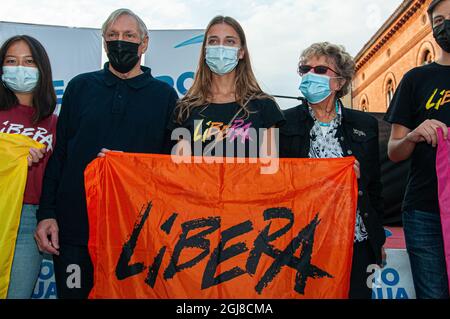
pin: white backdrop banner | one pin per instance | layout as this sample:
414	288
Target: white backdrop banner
173	56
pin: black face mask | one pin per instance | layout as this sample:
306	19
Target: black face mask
441	34
123	55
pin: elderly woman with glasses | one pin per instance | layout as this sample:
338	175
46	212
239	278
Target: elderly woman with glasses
322	127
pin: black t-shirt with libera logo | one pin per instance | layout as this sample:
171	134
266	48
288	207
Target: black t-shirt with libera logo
423	93
216	130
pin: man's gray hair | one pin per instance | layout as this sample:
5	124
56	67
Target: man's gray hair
120	12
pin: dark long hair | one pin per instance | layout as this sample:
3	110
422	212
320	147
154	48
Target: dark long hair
44	97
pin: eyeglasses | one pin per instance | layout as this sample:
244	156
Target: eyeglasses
319	69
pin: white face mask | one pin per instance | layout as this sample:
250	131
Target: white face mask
20	79
222	59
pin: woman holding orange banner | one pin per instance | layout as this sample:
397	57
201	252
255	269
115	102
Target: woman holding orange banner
225	108
27	103
323	128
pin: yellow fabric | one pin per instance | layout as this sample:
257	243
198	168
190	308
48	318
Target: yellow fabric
14	149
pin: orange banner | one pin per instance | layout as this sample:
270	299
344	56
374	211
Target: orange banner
208	230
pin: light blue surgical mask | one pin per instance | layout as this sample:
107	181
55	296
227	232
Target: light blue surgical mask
222	59
20	79
315	87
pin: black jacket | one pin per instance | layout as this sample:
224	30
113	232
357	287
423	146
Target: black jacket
358	136
100	110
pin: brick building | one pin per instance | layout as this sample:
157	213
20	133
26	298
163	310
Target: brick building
404	41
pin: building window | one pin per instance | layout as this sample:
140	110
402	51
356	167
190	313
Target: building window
363	76
426	53
427	57
390	89
424	19
364	105
389	53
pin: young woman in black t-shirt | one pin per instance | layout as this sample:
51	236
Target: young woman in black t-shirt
419	108
225	108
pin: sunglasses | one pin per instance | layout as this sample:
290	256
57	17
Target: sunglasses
320	69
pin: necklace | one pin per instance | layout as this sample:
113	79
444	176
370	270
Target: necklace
324	124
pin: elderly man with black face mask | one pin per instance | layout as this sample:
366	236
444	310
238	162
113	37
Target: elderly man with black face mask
419	108
121	107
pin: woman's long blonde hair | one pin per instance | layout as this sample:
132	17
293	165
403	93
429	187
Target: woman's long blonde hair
246	85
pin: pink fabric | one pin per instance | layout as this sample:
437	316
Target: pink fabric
443	175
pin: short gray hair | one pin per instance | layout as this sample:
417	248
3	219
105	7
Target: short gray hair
120	12
345	65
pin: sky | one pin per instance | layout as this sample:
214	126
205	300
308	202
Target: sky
277	31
